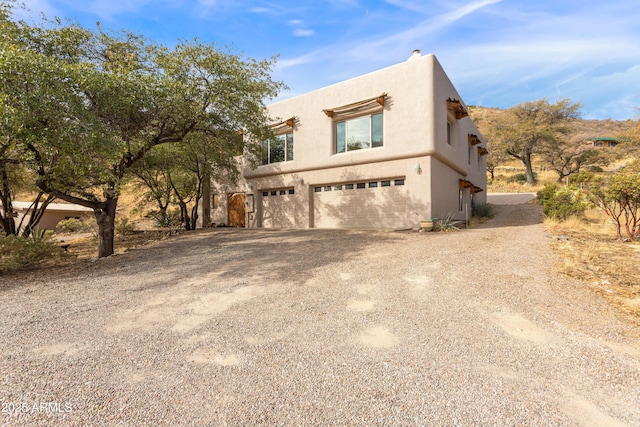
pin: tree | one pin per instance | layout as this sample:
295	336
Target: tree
487	120
523	129
177	173
619	198
568	153
108	100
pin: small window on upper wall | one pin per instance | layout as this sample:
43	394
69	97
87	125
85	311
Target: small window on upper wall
398	182
360	185
359	133
448	133
373	185
317	189
385	183
279	149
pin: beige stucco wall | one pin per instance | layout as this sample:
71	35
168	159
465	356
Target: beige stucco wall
415	149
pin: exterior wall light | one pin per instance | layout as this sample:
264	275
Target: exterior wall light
417	168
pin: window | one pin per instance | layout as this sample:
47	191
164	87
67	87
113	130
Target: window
373	185
359	133
448	133
274	193
279	149
398	182
265	194
385	183
460	199
317	189
349	186
292	191
337	187
360	185
469	154
215	200
283	192
327	188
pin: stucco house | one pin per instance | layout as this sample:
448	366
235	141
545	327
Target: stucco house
382	150
54	213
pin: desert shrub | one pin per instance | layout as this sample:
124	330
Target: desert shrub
521	178
446	223
74	225
18	252
483	210
581	177
619	198
124	227
562	202
165	219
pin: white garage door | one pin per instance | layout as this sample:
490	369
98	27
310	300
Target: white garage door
363	204
279	208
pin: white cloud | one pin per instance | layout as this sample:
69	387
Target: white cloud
300	32
259	10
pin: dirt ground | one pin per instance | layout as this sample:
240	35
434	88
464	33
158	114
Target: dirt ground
320	327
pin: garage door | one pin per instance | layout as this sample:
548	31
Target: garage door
364	204
279	208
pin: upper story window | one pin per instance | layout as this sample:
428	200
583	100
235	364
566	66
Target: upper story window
359	133
278	149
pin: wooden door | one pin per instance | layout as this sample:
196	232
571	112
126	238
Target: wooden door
236	209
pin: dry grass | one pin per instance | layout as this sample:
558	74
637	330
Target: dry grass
592	254
85	246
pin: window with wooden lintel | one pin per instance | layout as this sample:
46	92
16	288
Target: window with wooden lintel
358	125
280	147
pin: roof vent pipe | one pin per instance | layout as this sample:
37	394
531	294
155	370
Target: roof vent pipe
416	54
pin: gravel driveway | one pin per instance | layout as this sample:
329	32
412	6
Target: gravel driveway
318	327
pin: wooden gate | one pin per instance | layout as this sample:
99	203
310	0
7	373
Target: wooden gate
236	209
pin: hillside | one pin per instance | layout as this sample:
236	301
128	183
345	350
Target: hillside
595	128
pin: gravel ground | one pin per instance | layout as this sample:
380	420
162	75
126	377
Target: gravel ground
319	327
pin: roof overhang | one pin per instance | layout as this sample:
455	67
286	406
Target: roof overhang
366	104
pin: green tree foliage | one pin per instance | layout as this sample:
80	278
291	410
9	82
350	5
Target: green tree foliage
89	105
487	121
562	202
568	152
619	198
523	130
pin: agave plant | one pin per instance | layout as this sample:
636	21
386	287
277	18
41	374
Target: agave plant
446	223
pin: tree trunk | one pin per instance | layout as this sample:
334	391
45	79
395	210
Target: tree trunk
526	162
8	223
194	217
492	172
184	214
106	227
37	210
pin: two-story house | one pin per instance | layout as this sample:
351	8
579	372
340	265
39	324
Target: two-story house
383	150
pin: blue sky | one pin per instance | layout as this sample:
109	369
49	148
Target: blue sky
498	53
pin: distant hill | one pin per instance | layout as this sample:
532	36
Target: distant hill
594	128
